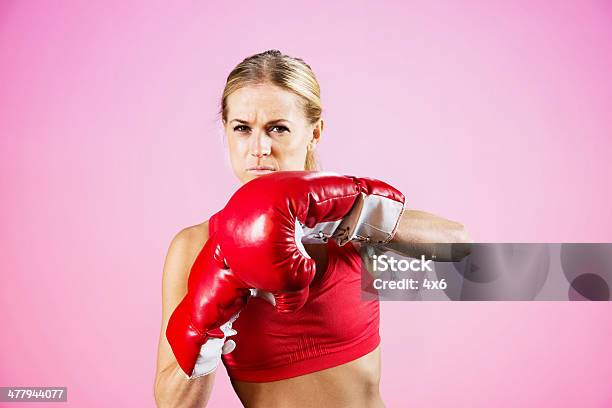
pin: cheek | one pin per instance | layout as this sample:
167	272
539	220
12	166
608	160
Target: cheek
295	144
292	154
237	153
237	147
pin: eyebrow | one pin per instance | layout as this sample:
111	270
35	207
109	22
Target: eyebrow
246	122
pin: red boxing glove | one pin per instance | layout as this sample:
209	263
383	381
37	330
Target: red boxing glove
256	242
214	296
261	228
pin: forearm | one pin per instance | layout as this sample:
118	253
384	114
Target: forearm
420	233
174	389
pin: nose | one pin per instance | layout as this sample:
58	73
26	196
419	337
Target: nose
261	144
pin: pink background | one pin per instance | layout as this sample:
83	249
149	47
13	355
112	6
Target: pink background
490	113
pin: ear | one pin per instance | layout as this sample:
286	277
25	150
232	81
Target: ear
317	130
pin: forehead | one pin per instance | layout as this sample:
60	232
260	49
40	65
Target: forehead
263	102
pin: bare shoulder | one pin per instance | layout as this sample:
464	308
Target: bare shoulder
187	243
193	235
183	250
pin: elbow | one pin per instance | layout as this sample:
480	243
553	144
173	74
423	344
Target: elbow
462	236
461	243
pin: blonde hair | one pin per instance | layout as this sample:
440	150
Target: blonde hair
289	73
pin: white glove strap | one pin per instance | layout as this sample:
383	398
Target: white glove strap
210	352
373	219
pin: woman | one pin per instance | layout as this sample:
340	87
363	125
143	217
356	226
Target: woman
327	353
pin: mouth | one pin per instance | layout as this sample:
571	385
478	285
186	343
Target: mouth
257	170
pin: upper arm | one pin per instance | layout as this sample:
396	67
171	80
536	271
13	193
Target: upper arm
181	254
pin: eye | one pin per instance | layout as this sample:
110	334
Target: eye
241	128
281	129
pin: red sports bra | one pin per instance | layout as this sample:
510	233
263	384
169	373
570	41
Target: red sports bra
335	326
